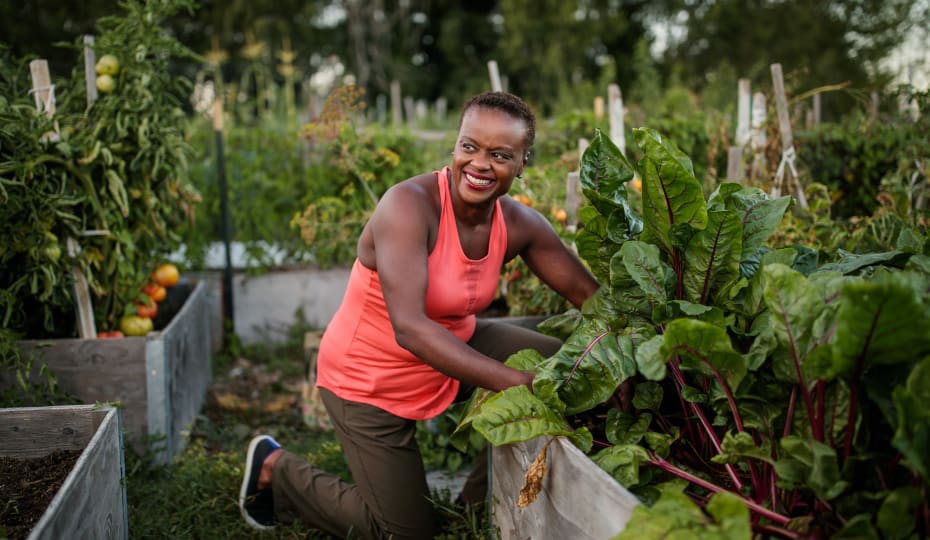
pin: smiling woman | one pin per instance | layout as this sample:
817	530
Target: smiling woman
405	343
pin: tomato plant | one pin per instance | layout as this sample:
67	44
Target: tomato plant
119	168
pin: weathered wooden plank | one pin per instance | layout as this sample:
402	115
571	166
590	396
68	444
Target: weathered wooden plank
186	350
30	432
578	499
99	370
91	502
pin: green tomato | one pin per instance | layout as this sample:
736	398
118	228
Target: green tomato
106	84
133	325
107	65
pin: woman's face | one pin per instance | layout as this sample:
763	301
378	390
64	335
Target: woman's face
488	154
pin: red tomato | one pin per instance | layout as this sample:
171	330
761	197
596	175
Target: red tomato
155	291
147	312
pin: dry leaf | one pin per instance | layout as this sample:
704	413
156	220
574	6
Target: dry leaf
280	403
533	484
231	402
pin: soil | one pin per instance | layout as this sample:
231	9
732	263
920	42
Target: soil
28	486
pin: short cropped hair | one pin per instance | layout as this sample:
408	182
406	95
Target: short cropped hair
510	104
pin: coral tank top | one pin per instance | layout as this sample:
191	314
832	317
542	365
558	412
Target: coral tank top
359	360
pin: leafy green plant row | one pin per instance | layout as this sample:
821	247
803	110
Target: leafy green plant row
732	385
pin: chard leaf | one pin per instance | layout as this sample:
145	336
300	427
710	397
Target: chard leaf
672	196
919	264
795	303
625	428
912	437
765	341
593	244
649	360
627	295
675	516
622	462
880	321
807	259
851	262
809	463
720	197
732	515
759	215
648	396
858	527
525	360
604	174
705	348
900	502
516	415
712	256
677	309
693	395
643	264
750	301
588	368
661	443
561	325
736	445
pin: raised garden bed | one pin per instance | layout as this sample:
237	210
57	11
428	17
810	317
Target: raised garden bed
160	379
91	502
571	502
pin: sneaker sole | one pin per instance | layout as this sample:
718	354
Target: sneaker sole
245	486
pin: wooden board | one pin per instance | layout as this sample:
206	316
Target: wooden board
578	499
160	380
91	502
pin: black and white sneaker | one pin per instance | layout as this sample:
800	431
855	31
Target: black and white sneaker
257	506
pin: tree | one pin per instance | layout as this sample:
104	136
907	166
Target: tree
823	42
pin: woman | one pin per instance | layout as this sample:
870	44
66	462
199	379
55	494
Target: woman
405	343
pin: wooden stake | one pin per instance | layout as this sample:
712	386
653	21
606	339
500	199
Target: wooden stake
90	71
735	164
572	200
598	107
743	111
817	110
45	102
396	114
496	85
615	110
786	167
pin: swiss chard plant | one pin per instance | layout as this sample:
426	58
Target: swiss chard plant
729	385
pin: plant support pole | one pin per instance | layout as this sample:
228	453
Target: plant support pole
224	209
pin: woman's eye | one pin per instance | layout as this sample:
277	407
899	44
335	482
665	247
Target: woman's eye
468	147
500	157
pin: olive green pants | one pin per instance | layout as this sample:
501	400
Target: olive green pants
389	497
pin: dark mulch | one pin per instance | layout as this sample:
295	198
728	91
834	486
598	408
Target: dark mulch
27	486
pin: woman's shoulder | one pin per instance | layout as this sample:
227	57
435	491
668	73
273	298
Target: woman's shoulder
420	190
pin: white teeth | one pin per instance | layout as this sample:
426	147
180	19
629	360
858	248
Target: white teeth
477	181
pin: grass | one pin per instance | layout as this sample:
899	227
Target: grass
196	496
